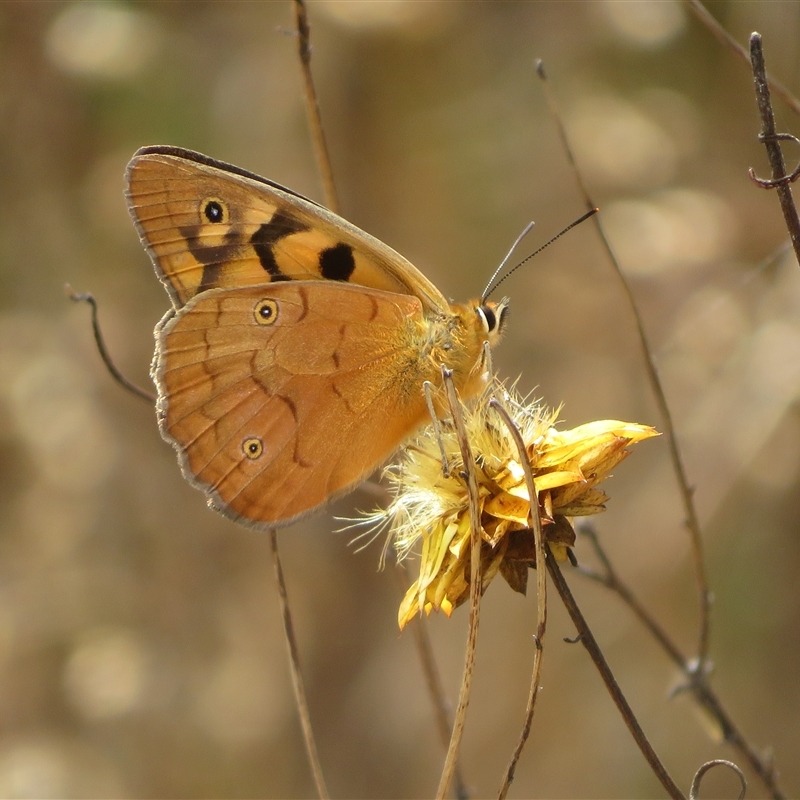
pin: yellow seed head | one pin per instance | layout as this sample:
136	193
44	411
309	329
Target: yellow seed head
432	509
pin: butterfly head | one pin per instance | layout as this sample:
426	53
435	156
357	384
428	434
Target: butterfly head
492	318
461	343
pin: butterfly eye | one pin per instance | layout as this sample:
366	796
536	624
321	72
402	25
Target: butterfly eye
266	312
252	448
488	318
215	210
493	316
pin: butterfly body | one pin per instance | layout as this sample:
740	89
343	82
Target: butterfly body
293	360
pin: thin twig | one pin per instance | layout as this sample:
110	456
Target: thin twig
692	520
702	13
770	137
294	667
587	639
87	297
474	587
697	682
324	166
717	762
535	524
322	156
610	580
433	679
312	108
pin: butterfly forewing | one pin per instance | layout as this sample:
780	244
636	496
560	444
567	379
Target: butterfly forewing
211	225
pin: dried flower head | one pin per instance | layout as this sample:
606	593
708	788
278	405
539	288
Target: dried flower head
430	506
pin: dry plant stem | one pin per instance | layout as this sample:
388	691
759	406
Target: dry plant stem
769	137
297	676
322	156
541	596
312	108
474	587
588	641
422	640
697	682
329	188
701	12
692	521
99	341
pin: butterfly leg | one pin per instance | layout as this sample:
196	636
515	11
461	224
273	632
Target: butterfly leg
487	358
428	389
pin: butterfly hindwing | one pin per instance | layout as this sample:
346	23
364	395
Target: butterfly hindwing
280	396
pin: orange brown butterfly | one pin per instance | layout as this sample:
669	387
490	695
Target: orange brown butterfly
293	359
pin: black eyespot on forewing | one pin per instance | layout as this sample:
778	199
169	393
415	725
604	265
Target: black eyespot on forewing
213	211
337	263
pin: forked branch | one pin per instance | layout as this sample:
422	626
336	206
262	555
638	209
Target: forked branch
697	683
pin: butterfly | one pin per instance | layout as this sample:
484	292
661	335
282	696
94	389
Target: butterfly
293	359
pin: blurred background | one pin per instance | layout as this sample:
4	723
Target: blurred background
141	653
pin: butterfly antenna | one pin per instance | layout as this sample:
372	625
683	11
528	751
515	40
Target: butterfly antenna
489	288
514	246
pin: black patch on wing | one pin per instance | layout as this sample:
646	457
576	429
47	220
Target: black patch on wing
268	235
337	262
212	257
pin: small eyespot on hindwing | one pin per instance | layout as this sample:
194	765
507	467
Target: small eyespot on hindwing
266	312
252	447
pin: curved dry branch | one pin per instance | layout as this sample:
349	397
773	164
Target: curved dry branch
717	762
88	297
